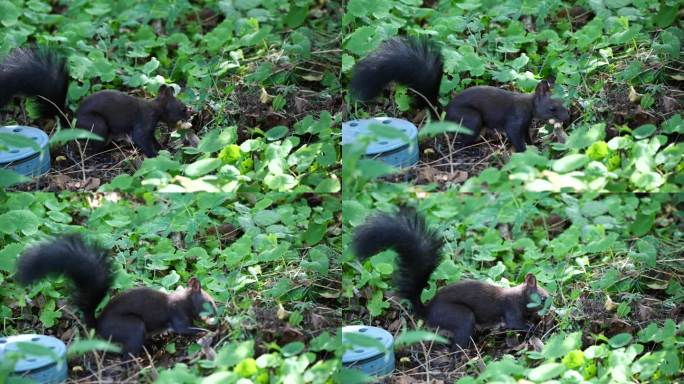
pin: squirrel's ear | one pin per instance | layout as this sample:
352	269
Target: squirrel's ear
542	89
165	91
194	284
530	280
551	79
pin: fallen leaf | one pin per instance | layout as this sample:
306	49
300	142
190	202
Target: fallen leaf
560	135
609	305
459	176
264	97
634	96
536	344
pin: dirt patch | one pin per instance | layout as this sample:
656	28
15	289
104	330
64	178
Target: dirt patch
251	107
622	106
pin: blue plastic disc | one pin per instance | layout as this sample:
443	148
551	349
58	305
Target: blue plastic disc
25	160
40	368
370	360
394	151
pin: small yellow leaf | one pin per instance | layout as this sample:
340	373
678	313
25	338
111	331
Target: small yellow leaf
312	77
282	313
264	97
634	97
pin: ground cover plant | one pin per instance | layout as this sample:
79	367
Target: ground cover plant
272	266
263	76
617	66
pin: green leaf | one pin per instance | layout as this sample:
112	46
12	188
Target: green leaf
8	256
35	349
246	368
435	128
296	16
293	348
232	353
412	337
202	167
642	225
276	133
570	163
546	372
170	279
314	234
9	13
217	139
80	347
644	131
674	124
20	220
17	141
9	178
331	185
666	15
65	135
561	344
318	261
598	150
620	340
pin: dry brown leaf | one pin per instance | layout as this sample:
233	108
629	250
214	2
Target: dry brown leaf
459	176
536	343
645	313
560	134
192	139
60	180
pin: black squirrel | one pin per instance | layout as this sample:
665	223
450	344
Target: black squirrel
417	63
129	316
457	307
44	73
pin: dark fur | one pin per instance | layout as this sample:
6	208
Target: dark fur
130	316
87	266
407	234
418	64
112	114
458	307
37	71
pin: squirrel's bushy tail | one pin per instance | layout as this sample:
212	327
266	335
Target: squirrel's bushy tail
414	62
37	71
418	249
87	266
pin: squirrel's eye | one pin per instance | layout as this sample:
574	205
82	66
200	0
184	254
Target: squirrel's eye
552	109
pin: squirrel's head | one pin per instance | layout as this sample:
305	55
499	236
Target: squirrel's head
173	111
546	107
535	297
203	305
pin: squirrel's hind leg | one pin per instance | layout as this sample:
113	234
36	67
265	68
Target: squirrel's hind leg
467	117
129	331
457	318
96	125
